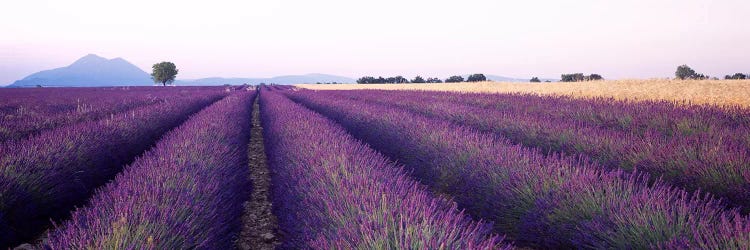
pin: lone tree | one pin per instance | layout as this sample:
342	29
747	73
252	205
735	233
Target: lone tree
685	72
454	79
476	78
535	79
164	73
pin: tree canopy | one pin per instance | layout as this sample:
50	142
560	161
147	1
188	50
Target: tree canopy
380	79
434	80
164	73
685	72
476	78
575	77
736	76
580	77
454	79
594	77
418	79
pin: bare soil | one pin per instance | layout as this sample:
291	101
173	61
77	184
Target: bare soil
260	227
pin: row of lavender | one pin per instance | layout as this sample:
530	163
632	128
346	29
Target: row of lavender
25	112
332	192
186	192
707	149
50	101
540	201
43	177
664	117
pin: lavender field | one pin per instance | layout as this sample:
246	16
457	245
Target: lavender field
263	167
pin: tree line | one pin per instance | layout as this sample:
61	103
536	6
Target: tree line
575	77
580	77
684	72
419	79
737	76
165	73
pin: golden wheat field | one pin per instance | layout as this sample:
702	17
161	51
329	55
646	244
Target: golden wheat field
717	92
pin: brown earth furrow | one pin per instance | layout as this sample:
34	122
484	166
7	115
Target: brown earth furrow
260	227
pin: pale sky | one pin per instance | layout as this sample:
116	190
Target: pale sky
545	38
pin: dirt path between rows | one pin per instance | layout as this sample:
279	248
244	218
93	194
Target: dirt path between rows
259	225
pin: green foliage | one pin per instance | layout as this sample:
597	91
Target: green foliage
370	79
535	79
434	80
685	72
164	73
476	78
736	76
418	79
575	77
594	77
366	80
398	79
580	77
454	79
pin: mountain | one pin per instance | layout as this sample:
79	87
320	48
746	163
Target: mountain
94	71
89	71
289	79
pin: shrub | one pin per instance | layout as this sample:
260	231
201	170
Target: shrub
454	79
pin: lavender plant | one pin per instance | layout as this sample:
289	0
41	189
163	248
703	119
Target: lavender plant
43	177
333	192
539	201
26	112
185	193
706	150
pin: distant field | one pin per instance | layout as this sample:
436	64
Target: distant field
734	92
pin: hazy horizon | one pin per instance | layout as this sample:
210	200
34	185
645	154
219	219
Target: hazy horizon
634	39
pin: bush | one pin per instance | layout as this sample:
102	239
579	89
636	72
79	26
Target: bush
535	79
454	79
366	80
685	72
575	77
418	79
476	78
579	77
380	79
736	76
594	77
434	80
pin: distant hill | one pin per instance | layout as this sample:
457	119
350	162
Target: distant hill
289	79
89	71
95	71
